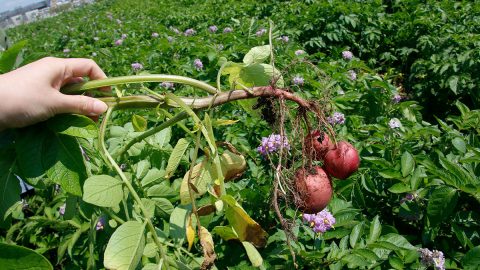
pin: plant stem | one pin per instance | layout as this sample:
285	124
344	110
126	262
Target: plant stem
81	87
129	185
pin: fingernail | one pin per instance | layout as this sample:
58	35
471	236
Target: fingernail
99	107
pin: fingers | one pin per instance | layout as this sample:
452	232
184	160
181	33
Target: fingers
79	104
72	80
81	67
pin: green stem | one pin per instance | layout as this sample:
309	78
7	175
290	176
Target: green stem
81	87
129	186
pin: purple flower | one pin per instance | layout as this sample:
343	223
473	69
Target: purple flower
321	221
261	32
408	197
394	123
272	143
61	210
284	39
170	39
396	98
298	80
190	32
213	28
227	30
299	52
347	55
175	30
167	85
96	38
336	118
124	36
118	42
198	64
66	50
352	75
434	258
155	34
100	224
137	66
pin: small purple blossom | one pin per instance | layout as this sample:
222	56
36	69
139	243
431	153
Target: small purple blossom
167	85
227	30
394	123
273	143
175	30
284	39
396	98
261	32
155	35
213	29
321	221
347	55
298	80
190	32
66	50
137	66
408	197
170	39
434	258
336	118
352	75
118	42
299	52
124	36
61	210
100	224
198	64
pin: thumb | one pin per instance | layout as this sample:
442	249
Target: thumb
80	105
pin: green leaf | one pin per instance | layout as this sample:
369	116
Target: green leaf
408	163
253	254
139	123
178	220
397	240
200	178
396	263
355	261
367	254
259	75
225	232
453	82
375	230
16	257
103	191
153	176
459	144
356	234
65	163
441	204
257	55
142	168
10	56
471	260
9	185
30	145
125	247
164	207
176	157
399	188
73	125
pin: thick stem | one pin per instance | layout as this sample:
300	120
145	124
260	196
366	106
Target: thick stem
81	87
127	183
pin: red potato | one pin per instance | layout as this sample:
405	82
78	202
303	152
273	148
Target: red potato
315	189
342	161
317	144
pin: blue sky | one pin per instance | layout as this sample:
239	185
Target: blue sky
12	4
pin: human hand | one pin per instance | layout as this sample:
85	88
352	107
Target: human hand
30	94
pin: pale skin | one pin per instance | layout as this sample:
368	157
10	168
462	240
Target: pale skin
31	94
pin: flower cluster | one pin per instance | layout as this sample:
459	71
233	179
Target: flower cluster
394	123
298	80
227	30
321	221
261	32
190	32
272	143
347	55
198	64
155	35
352	75
100	224
167	85
434	258
170	39
284	39
213	29
299	52
137	66
175	30
396	98
336	118
118	42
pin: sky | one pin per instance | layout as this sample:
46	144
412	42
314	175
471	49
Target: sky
12	4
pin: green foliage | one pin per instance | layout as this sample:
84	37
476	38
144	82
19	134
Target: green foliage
16	257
